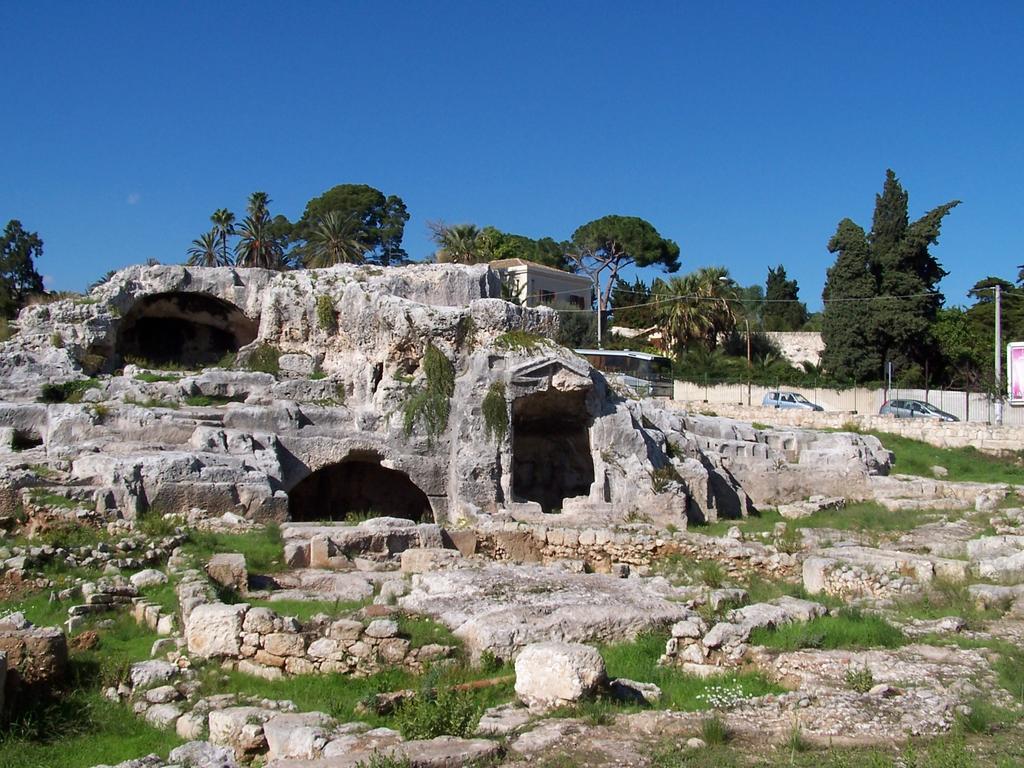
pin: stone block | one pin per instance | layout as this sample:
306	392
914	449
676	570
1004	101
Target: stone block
551	675
228	569
214	630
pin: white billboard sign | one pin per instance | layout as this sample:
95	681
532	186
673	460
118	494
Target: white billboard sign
1015	372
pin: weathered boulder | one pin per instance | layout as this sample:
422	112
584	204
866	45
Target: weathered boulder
202	754
228	569
551	675
36	658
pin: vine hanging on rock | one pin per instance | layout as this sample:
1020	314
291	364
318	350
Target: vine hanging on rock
431	403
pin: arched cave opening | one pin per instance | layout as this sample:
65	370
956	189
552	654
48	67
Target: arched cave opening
357	486
551	458
189	329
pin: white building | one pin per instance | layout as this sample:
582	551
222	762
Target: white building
535	284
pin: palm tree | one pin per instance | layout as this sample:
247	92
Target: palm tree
335	240
696	308
457	244
203	252
684	317
224	225
257	246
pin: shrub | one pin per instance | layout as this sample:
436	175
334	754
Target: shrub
430	714
519	341
431	403
663	477
325	314
711	574
57	340
380	759
5	329
860	680
790	540
495	411
66	392
713	730
265	359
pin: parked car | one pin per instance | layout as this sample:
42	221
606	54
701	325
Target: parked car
914	409
789	400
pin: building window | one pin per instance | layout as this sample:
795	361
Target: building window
547	297
576	302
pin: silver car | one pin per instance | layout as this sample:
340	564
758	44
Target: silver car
914	409
789	400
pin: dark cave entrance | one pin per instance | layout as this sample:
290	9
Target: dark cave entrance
357	486
551	458
188	329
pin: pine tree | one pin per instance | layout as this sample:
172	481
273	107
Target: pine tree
782	310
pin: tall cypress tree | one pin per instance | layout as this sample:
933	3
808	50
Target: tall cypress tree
782	310
893	267
851	351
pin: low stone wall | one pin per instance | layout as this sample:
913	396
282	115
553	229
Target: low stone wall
259	642
845	580
959	434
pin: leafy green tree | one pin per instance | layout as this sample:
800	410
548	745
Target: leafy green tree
224	226
602	248
782	309
379	220
205	250
881	295
959	346
18	276
631	304
258	243
493	245
456	243
335	240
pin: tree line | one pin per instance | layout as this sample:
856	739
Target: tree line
881	299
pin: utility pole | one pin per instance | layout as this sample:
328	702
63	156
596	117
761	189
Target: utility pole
999	356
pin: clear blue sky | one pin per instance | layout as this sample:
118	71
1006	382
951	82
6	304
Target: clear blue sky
744	131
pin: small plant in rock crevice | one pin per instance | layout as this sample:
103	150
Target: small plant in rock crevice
495	412
326	315
431	403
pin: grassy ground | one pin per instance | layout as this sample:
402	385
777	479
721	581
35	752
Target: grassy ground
849	629
679	691
860	516
263	549
914	457
81	728
958	750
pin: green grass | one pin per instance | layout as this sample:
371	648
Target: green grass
859	516
304	610
200	401
520	341
263	549
163	595
951	751
945	598
914	457
66	392
339	695
80	728
66	533
422	631
679	691
45	499
850	630
152	378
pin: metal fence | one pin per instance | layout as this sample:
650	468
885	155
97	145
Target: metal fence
966	406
